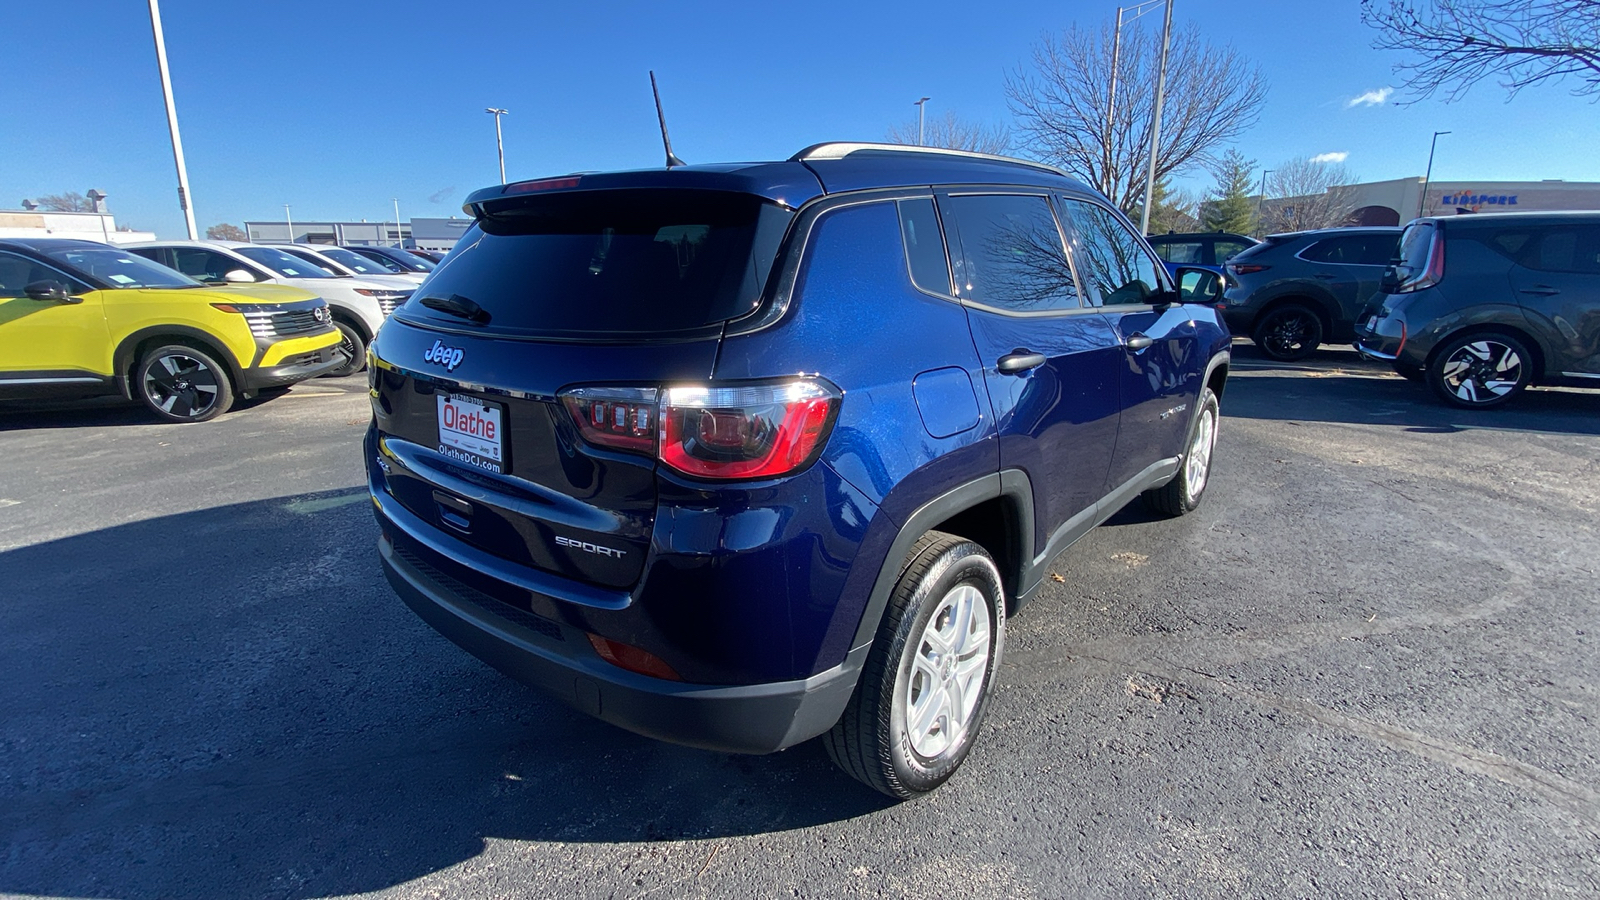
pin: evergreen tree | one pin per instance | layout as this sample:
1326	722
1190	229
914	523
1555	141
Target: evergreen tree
1232	209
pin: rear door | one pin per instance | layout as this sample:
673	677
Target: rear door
515	395
1557	281
1351	266
1160	365
1050	360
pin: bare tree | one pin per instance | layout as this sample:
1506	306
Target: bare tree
226	231
1308	195
1453	44
71	201
1060	102
953	133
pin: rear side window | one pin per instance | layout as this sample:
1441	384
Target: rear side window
1566	249
1412	257
1227	250
17	272
1352	250
614	262
1181	253
1015	257
919	229
1114	257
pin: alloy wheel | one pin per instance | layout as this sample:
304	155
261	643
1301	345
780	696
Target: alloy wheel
1288	332
182	386
1197	467
947	672
1482	371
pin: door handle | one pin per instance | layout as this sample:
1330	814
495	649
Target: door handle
1019	360
1542	290
1137	341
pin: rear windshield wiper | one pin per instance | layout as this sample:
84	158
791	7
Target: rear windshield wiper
458	306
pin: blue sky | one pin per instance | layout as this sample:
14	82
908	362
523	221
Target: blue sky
336	106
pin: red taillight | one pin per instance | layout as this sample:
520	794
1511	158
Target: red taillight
758	431
1246	268
750	431
633	659
624	418
1436	258
542	184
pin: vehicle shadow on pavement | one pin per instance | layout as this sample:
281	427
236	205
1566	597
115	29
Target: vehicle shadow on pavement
232	702
1358	398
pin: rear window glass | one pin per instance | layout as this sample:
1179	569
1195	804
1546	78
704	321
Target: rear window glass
1413	253
616	262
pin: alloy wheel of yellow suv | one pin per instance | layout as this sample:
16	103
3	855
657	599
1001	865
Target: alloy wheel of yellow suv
82	319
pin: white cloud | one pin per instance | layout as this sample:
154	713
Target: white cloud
1370	98
1337	157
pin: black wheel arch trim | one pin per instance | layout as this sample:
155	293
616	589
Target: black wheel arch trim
123	359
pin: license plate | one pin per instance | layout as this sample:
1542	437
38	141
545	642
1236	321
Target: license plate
472	431
1372	323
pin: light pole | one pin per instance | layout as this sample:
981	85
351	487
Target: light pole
1262	196
288	221
1139	9
1155	125
1428	177
499	144
172	120
399	237
920	105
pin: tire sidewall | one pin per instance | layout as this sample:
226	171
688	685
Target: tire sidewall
358	360
1208	402
224	385
963	564
1435	371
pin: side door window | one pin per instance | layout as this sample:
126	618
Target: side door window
1015	258
17	272
206	265
1182	253
1115	261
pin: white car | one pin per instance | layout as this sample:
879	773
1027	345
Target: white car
358	305
343	262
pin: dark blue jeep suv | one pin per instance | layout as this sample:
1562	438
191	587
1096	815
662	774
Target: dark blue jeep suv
740	455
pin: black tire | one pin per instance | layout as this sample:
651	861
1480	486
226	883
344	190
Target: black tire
873	741
1481	370
1184	492
354	346
1289	332
180	383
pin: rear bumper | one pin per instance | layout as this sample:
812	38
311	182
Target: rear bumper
292	370
557	659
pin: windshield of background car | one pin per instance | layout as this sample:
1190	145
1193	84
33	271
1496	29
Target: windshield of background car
610	262
283	263
354	261
121	269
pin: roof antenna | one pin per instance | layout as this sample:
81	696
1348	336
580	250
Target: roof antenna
662	117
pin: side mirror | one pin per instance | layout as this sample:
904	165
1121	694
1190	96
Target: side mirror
1199	286
50	292
238	276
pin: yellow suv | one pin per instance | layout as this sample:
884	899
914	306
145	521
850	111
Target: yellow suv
80	319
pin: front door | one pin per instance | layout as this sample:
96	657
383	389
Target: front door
45	342
1050	360
1160	366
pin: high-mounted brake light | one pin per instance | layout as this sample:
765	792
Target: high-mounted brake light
542	184
759	430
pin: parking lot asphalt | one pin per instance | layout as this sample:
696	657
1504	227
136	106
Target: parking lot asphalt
1365	667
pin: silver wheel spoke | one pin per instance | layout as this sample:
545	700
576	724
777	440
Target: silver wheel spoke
947	672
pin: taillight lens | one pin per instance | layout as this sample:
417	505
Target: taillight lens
623	418
1246	268
749	431
756	431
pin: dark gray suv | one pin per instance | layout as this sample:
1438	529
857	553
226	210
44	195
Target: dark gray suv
1292	292
1482	306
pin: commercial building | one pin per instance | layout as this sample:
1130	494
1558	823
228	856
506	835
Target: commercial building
1400	200
427	234
84	226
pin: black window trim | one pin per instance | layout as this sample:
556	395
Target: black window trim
944	238
1335	237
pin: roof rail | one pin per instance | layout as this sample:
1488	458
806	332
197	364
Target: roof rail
842	149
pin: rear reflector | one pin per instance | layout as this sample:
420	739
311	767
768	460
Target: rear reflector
543	184
632	658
